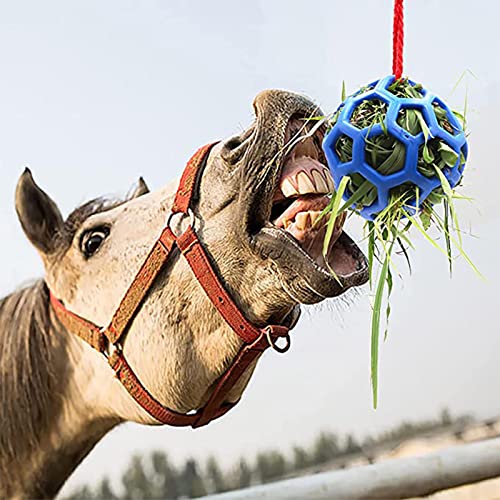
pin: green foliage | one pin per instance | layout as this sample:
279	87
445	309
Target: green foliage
135	481
325	448
215	476
104	490
351	445
154	477
408	430
301	458
446	417
389	232
191	483
242	475
386	154
270	465
165	477
82	493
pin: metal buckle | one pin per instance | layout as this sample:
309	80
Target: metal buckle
274	345
111	349
189	213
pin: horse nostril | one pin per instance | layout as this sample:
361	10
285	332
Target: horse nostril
233	142
235	147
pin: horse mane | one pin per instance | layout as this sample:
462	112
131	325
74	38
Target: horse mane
28	373
33	361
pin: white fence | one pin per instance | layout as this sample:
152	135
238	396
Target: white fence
397	478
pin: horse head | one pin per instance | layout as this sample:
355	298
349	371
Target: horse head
256	211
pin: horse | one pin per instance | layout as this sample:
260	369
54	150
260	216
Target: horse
256	205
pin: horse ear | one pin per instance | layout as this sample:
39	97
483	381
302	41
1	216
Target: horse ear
138	189
40	218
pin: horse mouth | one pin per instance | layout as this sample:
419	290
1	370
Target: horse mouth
302	191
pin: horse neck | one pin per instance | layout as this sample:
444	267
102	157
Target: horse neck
50	421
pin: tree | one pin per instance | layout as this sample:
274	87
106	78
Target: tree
270	465
243	475
351	445
156	478
135	482
105	491
191	483
215	476
325	448
301	458
82	493
446	417
369	442
165	477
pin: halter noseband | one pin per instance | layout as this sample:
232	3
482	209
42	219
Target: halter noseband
109	341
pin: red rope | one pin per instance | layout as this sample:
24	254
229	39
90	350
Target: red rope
398	39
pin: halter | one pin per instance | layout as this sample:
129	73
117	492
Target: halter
109	340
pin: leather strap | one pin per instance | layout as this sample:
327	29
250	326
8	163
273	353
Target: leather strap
191	248
164	415
75	324
187	184
138	289
109	341
247	355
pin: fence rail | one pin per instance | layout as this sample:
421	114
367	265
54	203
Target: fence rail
391	479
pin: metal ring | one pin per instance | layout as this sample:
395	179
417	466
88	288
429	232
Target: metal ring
192	219
274	345
111	349
115	348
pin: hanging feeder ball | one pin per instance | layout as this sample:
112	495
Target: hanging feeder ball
395	140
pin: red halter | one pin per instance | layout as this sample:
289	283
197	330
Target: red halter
109	341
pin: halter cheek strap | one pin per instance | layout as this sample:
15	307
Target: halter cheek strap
109	341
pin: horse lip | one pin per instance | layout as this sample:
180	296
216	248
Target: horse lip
268	148
261	203
278	245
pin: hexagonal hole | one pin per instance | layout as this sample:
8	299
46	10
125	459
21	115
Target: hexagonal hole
427	162
404	89
355	182
443	119
368	113
410	119
385	154
343	148
405	193
362	90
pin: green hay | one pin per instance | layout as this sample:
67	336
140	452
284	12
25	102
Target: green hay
389	232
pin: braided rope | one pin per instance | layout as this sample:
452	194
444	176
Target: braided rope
398	39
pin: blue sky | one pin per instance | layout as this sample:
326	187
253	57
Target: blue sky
94	94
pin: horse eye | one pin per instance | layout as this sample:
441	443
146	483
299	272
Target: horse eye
92	240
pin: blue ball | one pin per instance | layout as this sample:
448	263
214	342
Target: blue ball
409	173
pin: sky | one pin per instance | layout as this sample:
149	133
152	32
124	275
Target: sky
95	94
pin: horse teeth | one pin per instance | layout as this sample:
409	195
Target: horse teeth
302	220
329	180
305	184
315	215
319	180
288	189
